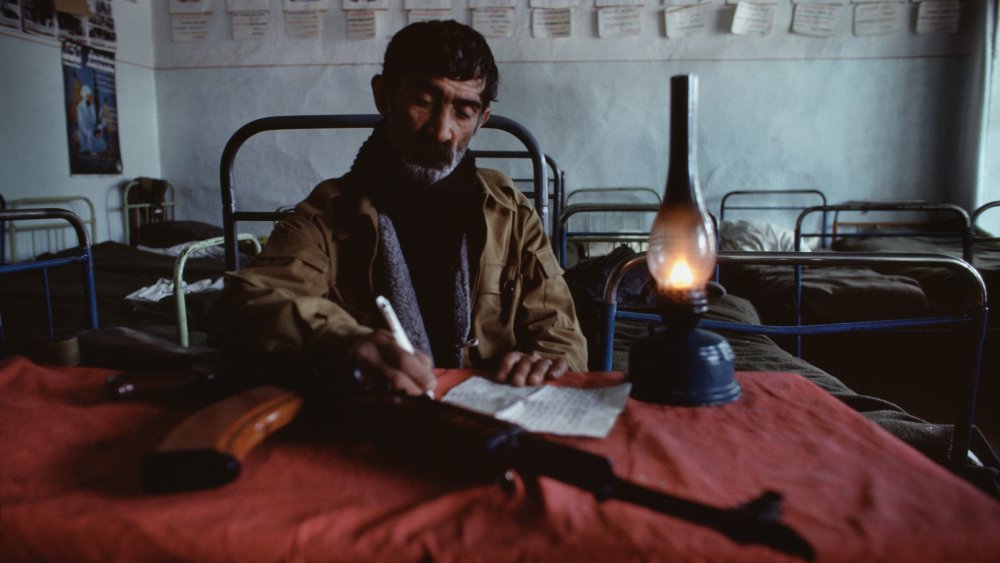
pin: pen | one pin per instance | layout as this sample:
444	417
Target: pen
397	329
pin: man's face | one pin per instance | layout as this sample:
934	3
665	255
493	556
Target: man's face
431	123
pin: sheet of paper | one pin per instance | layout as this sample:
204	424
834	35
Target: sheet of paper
189	27
362	24
366	4
753	19
553	4
685	21
493	22
619	21
303	25
877	19
414	16
248	5
249	25
427	5
305	5
818	20
938	16
555	410
609	3
551	23
477	4
190	6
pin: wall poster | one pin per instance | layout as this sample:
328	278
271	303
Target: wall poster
91	109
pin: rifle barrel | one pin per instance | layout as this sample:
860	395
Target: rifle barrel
755	522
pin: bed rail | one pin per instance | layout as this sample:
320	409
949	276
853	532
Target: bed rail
977	215
974	319
558	180
749	195
63	202
637	236
231	216
179	296
83	257
641	201
3	233
897	229
145	210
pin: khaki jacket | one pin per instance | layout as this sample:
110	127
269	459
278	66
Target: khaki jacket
310	292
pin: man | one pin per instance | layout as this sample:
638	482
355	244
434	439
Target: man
459	251
86	121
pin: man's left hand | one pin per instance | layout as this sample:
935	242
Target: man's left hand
521	369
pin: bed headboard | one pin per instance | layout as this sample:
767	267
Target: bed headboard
231	216
144	201
29	239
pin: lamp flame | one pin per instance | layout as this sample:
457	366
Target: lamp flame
681	276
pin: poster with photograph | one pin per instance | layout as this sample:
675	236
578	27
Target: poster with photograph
91	109
90	22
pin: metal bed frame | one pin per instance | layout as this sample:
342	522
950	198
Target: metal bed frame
976	214
169	206
3	233
906	230
726	206
557	196
975	319
565	234
179	296
45	203
83	258
231	216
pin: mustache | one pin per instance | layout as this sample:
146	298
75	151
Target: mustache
429	152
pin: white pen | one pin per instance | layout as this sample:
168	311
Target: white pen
397	329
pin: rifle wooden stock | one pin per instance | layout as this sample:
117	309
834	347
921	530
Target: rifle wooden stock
206	448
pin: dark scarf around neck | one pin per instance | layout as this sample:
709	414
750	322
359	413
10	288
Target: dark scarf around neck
422	232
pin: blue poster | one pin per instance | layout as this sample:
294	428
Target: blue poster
91	109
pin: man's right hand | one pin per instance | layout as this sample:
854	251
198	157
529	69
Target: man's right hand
382	361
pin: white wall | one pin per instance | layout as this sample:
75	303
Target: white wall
860	118
856	117
33	141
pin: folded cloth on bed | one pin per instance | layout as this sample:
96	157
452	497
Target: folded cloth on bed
829	294
176	250
756	236
164	288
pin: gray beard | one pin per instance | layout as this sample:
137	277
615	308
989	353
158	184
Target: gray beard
427	176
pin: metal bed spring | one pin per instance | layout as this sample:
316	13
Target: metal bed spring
941	209
84	258
975	318
564	234
725	206
230	215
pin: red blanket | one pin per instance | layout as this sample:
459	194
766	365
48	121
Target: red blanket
70	487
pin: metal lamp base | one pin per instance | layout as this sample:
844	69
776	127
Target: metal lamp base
683	367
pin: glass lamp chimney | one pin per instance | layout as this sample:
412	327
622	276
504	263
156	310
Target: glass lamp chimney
681	252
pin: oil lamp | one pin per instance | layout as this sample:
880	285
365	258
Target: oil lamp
682	365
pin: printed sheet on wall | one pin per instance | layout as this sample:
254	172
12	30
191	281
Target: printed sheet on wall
91	109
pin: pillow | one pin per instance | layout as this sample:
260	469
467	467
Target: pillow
757	236
171	233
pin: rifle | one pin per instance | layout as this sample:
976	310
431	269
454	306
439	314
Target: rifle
486	447
206	448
